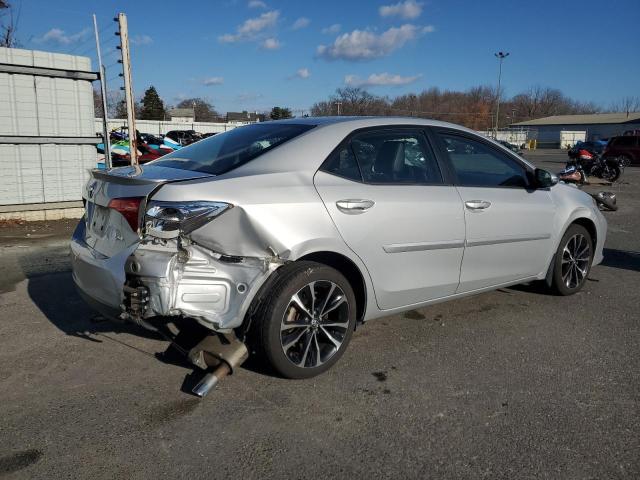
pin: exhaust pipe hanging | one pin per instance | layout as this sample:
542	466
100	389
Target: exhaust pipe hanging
219	354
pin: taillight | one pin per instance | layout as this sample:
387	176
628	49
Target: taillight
129	208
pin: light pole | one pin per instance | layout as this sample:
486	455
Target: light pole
500	56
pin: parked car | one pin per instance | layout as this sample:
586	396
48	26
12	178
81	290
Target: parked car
626	148
183	137
289	233
510	146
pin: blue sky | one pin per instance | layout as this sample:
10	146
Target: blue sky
254	54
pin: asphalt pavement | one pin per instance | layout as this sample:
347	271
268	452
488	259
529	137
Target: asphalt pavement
512	384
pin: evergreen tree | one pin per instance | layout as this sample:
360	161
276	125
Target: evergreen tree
152	106
278	112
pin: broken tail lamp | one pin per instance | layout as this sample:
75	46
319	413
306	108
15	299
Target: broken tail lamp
170	219
129	208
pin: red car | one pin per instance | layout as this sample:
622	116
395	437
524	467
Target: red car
626	147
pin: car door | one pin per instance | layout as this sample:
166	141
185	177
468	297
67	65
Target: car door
387	196
509	223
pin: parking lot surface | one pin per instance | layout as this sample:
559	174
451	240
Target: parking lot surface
514	383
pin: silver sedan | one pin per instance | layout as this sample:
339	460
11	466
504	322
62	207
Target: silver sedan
285	235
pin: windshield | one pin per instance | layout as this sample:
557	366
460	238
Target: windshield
226	151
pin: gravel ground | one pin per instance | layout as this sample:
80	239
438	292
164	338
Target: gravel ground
509	384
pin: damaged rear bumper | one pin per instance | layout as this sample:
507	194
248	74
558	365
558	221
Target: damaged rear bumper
166	278
178	277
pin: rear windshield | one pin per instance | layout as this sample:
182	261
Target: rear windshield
226	151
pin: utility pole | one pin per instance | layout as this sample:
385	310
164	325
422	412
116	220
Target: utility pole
500	56
128	87
103	94
339	104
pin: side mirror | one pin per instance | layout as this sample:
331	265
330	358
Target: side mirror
544	179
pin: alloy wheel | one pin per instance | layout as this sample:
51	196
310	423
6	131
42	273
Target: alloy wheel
314	324
575	261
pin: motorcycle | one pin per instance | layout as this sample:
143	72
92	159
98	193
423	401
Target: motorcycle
595	165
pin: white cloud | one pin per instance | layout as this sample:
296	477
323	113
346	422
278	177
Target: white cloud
366	45
252	27
332	29
58	36
302	73
379	79
141	40
302	22
257	4
408	10
271	44
213	81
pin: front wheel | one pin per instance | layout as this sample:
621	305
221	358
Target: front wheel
573	261
613	172
308	319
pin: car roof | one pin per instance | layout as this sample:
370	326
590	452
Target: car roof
355	122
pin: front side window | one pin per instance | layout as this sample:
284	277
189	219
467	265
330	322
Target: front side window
224	152
478	165
395	157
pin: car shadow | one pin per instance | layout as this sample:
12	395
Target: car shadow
53	291
56	296
622	259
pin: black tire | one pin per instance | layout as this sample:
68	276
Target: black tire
269	321
568	279
614	173
624	161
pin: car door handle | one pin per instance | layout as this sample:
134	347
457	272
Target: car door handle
477	204
354	206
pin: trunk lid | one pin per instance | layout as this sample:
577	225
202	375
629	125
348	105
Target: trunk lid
107	230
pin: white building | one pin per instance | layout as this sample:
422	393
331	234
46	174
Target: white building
182	115
548	131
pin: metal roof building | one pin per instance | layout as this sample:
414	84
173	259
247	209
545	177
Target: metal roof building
597	126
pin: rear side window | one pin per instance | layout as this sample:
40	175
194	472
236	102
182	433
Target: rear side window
396	157
226	151
343	163
478	165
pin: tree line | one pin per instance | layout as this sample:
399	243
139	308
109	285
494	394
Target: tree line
474	108
152	107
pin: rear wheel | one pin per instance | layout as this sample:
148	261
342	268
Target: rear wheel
573	261
308	319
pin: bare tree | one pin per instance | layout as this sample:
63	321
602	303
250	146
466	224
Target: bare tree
352	101
473	108
97	103
626	105
8	24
